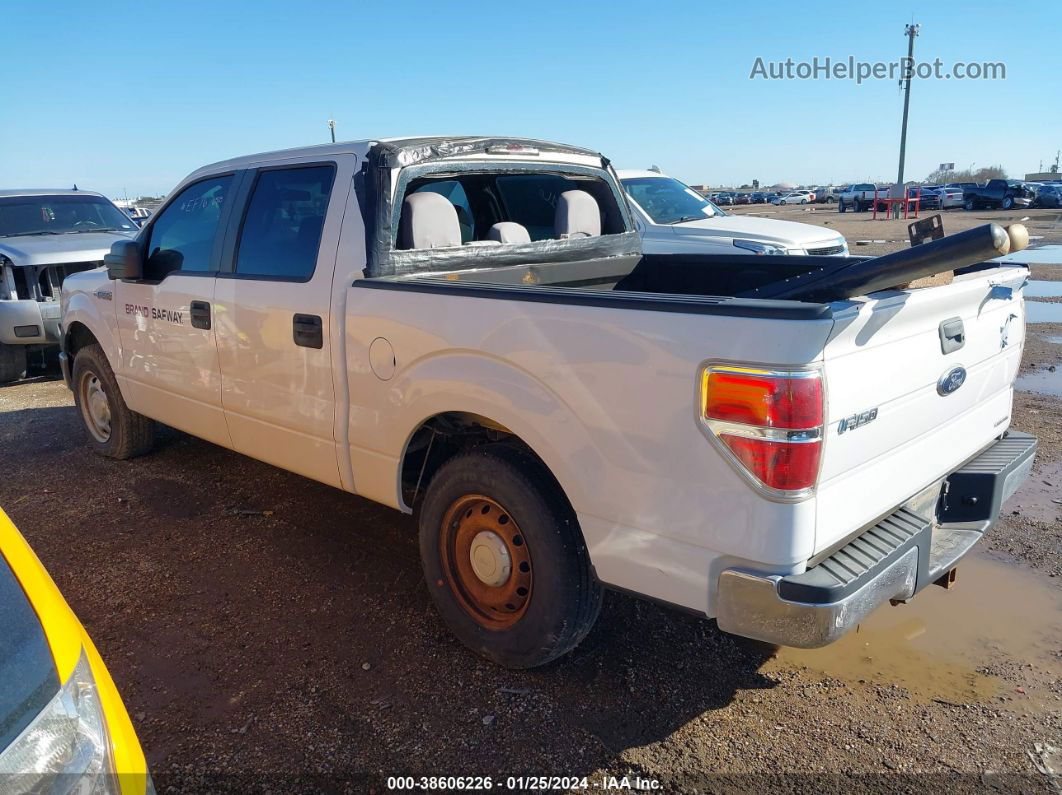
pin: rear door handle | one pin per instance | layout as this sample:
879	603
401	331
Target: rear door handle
307	330
200	312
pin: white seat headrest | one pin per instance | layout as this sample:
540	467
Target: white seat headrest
430	221
577	215
509	232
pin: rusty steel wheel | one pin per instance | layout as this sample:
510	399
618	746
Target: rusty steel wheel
504	558
486	561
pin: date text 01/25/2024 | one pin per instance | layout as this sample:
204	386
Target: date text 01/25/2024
522	783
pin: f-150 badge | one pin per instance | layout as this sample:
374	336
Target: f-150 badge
856	420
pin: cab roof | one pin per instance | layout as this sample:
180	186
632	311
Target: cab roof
403	151
7	192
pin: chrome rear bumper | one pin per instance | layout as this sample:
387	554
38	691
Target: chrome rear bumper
894	559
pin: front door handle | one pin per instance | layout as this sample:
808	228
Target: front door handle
307	330
200	314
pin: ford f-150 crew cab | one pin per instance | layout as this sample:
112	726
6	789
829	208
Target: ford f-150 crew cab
44	236
466	329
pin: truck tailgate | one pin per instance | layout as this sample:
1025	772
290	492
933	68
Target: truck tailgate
895	422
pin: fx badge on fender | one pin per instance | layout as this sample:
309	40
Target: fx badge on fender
951	380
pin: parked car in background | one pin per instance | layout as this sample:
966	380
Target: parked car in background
826	195
63	727
928	198
673	219
45	235
723	199
950	197
758	198
791	198
1049	195
857	197
1004	194
963	186
742	198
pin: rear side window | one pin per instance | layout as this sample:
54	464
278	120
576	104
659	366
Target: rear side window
281	231
182	237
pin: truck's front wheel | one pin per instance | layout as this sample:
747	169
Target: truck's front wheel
113	429
504	558
12	363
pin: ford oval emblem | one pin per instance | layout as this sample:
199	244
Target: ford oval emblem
951	380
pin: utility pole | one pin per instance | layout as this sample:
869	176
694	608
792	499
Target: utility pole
910	31
332	127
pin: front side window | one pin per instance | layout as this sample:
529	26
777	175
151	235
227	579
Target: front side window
182	237
668	201
60	215
281	231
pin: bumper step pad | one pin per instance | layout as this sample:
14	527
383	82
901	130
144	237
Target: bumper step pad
860	560
970	502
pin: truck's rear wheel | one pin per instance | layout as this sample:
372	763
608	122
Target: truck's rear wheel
113	429
12	363
504	558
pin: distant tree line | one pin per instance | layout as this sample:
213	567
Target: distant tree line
968	175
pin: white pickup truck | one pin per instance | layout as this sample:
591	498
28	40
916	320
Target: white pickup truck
466	329
672	218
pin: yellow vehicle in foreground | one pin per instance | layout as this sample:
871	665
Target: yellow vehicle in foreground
63	727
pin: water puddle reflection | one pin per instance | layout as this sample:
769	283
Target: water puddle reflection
1041	380
957	645
1041	288
1043	312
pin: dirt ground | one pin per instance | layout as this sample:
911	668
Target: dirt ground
272	634
864	235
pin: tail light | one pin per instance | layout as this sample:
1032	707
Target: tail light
769	423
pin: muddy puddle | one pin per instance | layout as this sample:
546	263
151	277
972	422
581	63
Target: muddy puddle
1042	380
1043	312
1041	288
996	632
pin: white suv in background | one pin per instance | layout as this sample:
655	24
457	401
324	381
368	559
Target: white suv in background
672	218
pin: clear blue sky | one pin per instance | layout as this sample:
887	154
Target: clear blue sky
132	96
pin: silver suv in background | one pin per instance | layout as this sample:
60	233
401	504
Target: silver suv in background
45	235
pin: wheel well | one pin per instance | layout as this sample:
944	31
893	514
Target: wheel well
440	438
77	337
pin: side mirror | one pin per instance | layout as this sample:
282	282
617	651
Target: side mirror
124	261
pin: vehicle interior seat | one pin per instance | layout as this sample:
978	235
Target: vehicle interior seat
509	232
429	221
577	215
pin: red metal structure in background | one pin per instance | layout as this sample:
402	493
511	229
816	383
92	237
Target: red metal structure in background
892	203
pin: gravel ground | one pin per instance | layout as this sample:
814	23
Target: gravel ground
857	227
272	634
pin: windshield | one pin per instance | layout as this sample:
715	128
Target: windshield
668	201
60	215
